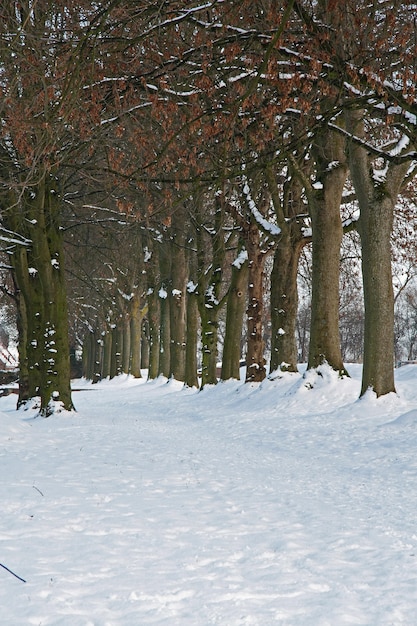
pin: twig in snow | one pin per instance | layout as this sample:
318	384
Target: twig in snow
37	490
13	574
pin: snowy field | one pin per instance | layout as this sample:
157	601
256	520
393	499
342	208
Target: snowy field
262	505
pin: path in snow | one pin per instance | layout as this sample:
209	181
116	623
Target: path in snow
237	505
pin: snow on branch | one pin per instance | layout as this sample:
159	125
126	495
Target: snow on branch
266	226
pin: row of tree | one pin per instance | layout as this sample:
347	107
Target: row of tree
190	143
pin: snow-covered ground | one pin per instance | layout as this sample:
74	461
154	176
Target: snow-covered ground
261	505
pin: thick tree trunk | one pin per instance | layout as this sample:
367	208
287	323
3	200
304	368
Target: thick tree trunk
209	303
327	235
39	274
290	211
255	358
378	357
376	202
236	305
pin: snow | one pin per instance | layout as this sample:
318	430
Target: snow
241	258
291	502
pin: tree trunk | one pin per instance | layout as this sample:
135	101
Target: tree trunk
178	296
144	344
327	232
154	313
378	357
191	378
236	305
135	331
165	312
255	359
39	273
126	343
98	357
107	353
154	323
209	303
116	355
290	212
376	202
88	355
22	329
284	303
